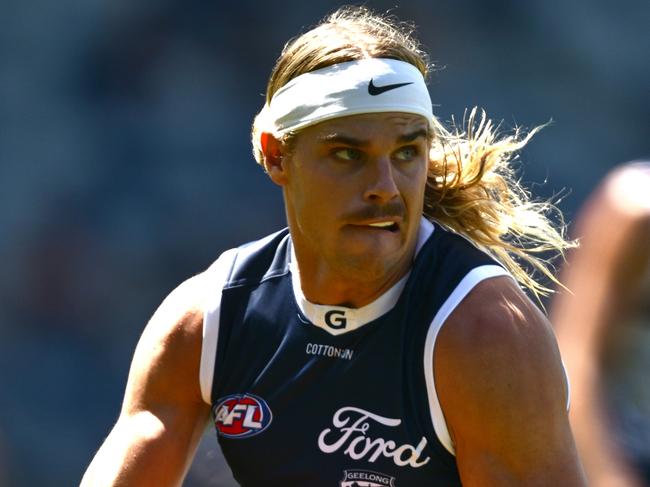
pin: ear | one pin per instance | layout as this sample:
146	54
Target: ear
274	160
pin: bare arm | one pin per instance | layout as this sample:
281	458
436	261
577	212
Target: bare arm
163	414
502	389
604	275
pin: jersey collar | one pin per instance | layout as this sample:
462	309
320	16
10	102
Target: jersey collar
337	320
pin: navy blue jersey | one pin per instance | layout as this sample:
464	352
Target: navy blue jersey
313	395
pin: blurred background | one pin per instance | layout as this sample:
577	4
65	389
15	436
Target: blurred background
125	167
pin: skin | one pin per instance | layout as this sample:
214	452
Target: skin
497	367
163	415
605	276
509	423
502	389
341	176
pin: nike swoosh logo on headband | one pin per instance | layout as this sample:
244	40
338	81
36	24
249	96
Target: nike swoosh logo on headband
378	90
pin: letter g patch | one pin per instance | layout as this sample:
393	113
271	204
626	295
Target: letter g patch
336	319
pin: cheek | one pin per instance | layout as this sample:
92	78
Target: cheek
414	184
313	197
321	183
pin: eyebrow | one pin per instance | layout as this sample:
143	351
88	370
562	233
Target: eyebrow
410	137
342	139
335	138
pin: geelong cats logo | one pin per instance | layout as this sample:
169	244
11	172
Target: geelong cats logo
241	415
351	434
366	478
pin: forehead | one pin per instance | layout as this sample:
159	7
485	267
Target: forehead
388	125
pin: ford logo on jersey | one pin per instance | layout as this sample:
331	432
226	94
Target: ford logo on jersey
241	415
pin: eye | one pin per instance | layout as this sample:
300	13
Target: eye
348	154
407	153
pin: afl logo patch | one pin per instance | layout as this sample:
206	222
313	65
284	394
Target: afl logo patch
241	416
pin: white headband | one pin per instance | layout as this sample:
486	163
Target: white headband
365	86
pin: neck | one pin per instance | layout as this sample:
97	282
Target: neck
323	283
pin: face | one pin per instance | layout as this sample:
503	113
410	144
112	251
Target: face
354	191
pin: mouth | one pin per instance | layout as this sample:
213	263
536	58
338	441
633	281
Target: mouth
390	226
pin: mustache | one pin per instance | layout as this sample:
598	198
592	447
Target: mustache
394	209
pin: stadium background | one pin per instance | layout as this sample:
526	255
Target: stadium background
125	167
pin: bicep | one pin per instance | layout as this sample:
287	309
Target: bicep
517	436
502	389
163	414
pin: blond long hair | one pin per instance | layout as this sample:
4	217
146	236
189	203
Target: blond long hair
471	187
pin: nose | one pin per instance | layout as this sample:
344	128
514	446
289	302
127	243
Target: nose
381	186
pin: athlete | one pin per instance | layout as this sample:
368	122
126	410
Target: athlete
604	333
383	338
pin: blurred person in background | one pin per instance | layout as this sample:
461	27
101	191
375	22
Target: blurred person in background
320	350
603	327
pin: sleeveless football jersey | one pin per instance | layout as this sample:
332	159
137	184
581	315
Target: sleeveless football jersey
313	395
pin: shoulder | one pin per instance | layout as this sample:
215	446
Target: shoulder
168	353
448	263
177	323
627	186
254	261
496	310
622	195
448	240
181	311
162	414
497	350
612	252
166	364
503	391
171	352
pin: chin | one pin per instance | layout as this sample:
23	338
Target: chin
372	259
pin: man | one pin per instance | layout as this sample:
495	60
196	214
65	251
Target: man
320	350
603	331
